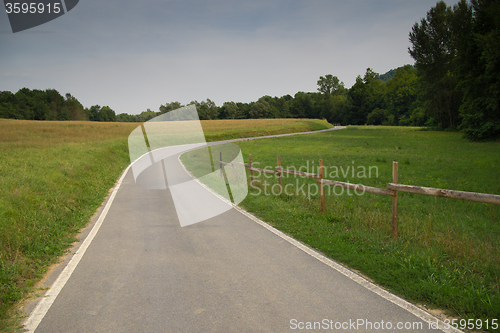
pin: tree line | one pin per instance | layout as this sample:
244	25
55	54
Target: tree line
369	101
457	58
454	84
49	105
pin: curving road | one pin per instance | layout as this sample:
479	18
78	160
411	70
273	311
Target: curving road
137	270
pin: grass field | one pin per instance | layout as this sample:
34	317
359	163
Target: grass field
448	253
54	176
216	130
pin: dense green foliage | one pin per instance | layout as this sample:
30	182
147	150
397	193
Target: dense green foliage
49	105
456	56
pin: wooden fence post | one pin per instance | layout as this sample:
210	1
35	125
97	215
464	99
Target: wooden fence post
395	202
251	171
322	186
279	175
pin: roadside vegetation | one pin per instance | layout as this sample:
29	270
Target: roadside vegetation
448	252
54	176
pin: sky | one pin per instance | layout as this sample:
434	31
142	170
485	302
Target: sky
137	55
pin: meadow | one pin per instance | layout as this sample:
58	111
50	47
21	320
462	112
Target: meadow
53	177
448	252
217	130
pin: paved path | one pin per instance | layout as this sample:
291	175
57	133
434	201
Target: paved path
142	272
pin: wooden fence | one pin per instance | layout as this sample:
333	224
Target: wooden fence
391	190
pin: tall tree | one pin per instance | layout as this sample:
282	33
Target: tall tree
75	108
366	95
480	70
329	84
400	95
434	48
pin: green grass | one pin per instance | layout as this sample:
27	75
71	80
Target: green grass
217	130
53	178
54	175
448	253
51	194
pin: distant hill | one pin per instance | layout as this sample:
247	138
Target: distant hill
389	75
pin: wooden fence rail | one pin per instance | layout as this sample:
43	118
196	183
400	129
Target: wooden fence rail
357	187
460	195
392	188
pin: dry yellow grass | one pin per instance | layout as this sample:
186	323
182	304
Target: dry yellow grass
37	134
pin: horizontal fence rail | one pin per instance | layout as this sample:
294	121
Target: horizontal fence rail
392	188
297	173
356	187
437	192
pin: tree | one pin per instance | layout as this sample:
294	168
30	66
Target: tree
401	93
231	110
169	107
244	109
366	95
146	115
335	108
376	117
329	84
56	105
8	102
480	71
260	109
75	108
282	104
302	106
434	48
207	110
93	112
107	114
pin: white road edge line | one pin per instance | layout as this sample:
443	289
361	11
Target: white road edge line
43	306
413	309
48	299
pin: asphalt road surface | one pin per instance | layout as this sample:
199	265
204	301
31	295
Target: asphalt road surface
138	270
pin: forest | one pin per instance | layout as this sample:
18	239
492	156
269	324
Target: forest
454	84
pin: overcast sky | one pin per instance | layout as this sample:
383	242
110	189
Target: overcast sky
135	55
